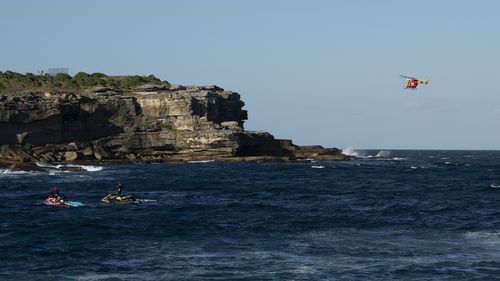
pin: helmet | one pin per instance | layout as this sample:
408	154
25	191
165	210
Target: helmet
55	190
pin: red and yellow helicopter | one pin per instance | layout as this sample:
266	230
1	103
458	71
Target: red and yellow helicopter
412	82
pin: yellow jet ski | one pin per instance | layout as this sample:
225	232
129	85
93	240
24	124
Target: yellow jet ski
110	198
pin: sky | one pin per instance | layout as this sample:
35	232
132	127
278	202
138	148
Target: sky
316	72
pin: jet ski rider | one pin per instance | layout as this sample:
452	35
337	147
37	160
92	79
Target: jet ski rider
55	194
119	189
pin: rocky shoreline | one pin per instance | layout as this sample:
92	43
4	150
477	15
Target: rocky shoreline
149	123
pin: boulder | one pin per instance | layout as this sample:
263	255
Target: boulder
101	154
21	136
72	168
98	156
88	151
70	156
131	156
71	146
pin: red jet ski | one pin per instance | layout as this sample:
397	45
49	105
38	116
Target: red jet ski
54	202
61	203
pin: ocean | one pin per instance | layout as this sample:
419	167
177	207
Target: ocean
388	215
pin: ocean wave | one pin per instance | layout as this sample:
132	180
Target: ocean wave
380	155
399	158
91	168
351	151
490	237
389	158
383	154
12	172
88	168
310	160
105	276
45	165
200	161
317	166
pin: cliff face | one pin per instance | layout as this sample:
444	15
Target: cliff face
149	123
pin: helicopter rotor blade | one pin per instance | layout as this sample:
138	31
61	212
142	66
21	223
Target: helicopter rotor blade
408	77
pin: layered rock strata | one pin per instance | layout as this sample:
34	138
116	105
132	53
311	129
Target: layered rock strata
149	123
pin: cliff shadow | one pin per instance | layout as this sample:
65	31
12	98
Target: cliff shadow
72	125
263	145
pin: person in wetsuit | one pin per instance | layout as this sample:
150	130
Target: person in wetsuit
119	189
55	194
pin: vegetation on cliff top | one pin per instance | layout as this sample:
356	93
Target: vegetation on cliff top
12	82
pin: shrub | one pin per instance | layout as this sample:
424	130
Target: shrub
62	77
12	81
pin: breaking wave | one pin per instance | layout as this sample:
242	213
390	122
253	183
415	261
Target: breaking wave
351	151
200	161
399	158
12	172
383	154
88	168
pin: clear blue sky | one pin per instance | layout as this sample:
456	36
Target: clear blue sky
318	72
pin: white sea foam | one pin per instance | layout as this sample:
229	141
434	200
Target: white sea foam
306	160
45	165
487	237
399	158
317	167
357	153
383	154
11	172
200	161
88	168
351	151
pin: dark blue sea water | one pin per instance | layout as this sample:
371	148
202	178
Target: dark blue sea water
411	215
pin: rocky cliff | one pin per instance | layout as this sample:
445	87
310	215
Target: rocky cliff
151	122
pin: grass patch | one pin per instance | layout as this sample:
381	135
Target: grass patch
12	82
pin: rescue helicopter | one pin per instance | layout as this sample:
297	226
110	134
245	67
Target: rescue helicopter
412	82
